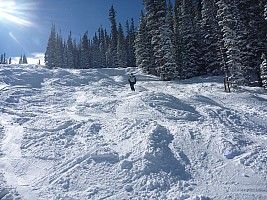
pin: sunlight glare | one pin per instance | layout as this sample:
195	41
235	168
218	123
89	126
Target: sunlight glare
10	11
14	38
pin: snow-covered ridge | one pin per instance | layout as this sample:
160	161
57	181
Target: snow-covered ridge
82	134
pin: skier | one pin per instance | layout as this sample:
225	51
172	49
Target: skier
132	81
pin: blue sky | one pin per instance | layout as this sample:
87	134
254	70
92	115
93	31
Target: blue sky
25	24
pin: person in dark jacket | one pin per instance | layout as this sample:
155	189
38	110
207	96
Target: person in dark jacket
132	81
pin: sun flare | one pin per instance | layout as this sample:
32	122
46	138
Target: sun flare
16	13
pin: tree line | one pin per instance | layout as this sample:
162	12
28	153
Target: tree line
103	50
22	60
3	59
177	41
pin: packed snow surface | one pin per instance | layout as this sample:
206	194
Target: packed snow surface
82	134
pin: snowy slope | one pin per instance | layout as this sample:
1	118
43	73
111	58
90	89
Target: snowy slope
82	134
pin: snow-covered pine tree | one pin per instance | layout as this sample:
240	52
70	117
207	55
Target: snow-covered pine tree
170	22
158	14
70	51
252	37
107	48
230	26
76	59
200	36
167	70
50	53
210	41
78	54
129	42
3	59
85	62
170	17
127	26
114	37
65	55
189	51
24	59
95	52
121	53
20	59
102	47
263	71
178	44
143	46
132	34
152	24
161	39
59	51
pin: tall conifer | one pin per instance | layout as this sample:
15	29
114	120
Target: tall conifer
121	53
143	46
50	53
114	37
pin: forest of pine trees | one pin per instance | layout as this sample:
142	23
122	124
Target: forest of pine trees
103	50
179	41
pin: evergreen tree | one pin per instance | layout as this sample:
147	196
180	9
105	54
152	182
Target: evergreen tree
121	53
230	25
76	56
79	53
160	36
21	59
153	33
102	47
85	60
170	28
130	38
50	53
4	59
178	44
142	46
168	67
24	59
252	37
211	58
107	45
114	37
109	59
263	71
189	51
59	51
127	40
170	18
70	50
200	37
65	55
95	52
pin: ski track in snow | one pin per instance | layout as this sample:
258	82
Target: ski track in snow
82	134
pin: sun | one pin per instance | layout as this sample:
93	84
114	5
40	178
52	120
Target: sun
16	13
